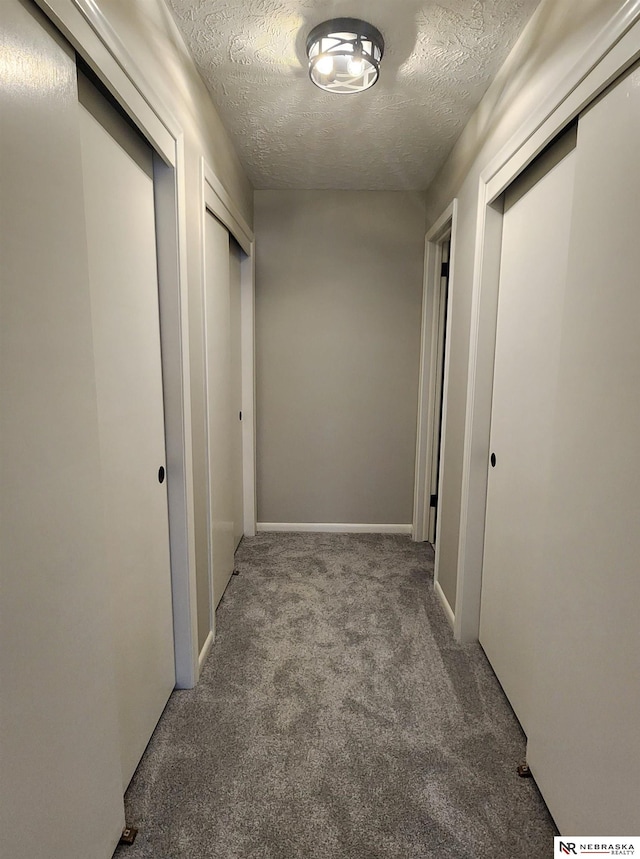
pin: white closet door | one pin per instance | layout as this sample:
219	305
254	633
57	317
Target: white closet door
120	222
585	746
60	787
532	280
235	257
219	403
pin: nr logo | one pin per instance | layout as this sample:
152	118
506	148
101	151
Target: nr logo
568	848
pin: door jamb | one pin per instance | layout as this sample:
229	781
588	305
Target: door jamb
441	310
443	229
613	51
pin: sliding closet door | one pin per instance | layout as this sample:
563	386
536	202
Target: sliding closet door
561	587
584	748
121	238
60	785
533	274
219	403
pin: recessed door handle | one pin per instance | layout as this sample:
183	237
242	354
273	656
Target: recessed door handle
161	474
493	460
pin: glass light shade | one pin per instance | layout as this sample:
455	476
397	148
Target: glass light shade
344	55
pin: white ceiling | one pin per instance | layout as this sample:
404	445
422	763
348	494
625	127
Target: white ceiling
440	56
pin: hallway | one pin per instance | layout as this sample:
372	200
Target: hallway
336	717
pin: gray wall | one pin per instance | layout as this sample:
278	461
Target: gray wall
338	301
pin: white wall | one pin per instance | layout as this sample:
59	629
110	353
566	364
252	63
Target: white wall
150	34
338	299
554	39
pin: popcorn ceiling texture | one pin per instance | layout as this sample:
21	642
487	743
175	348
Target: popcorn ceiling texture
439	59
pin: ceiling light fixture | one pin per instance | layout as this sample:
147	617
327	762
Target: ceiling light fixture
344	55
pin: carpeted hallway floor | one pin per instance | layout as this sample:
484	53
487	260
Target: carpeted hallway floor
337	719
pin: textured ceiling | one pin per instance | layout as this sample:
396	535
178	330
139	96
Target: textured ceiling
440	57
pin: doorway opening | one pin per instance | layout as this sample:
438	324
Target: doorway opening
430	472
432	392
441	300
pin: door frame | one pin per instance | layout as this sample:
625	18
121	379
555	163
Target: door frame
91	35
443	230
613	51
440	346
215	199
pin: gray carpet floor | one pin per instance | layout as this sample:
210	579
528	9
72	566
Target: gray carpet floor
336	718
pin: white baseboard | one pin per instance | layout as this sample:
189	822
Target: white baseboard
445	603
206	647
334	528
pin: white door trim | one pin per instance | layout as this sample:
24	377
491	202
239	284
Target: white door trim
85	27
217	199
443	229
615	49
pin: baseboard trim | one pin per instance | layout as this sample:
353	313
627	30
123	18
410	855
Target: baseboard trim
334	528
445	604
206	647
